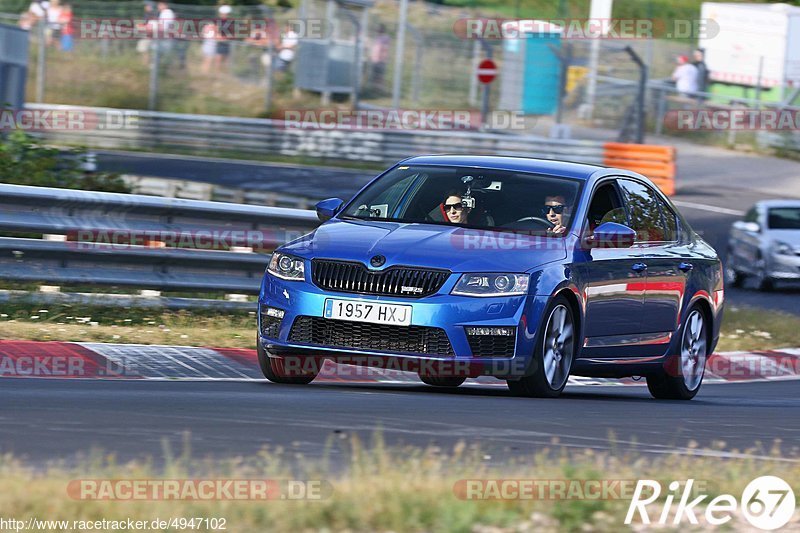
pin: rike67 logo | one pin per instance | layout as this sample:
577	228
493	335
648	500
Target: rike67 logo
767	503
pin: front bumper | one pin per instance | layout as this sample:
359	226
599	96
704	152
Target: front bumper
785	267
442	310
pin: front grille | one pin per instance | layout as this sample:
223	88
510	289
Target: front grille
270	325
492	345
375	337
394	281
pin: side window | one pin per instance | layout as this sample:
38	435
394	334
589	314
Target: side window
605	207
752	215
644	212
670	221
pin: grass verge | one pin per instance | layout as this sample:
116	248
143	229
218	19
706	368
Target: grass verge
385	489
743	328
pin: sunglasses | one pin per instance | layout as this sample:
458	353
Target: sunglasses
557	209
458	207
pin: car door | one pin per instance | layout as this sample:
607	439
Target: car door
745	242
667	259
613	282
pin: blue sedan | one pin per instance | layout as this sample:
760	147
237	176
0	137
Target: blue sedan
522	269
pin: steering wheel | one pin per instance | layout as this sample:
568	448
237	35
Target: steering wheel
540	221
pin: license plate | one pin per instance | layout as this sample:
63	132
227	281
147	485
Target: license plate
376	313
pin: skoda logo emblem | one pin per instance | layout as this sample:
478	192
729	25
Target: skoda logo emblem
377	261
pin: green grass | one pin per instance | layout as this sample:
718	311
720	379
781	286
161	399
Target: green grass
743	328
62	322
378	488
750	328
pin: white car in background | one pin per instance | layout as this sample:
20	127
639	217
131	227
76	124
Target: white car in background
765	245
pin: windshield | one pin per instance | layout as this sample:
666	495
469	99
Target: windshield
784	218
470	197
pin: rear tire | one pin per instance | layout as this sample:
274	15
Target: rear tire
555	350
683	373
274	370
437	381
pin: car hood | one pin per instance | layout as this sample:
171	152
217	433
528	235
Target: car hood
428	245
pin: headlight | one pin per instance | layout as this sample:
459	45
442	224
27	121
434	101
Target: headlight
286	267
492	285
781	248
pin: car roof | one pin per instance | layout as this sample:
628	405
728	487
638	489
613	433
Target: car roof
778	203
521	164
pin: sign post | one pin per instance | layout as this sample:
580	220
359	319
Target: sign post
487	72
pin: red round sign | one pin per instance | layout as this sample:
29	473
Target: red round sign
487	71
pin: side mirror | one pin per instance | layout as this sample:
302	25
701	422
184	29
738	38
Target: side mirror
326	209
749	227
611	235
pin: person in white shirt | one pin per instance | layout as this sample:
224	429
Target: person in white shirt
159	27
288	45
53	30
685	77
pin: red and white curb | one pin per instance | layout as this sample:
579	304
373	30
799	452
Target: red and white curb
153	362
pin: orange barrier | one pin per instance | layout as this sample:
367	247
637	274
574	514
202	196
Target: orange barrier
654	161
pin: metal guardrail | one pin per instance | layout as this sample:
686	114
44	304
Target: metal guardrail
140	241
272	137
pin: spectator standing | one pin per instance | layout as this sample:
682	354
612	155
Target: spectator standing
224	36
166	17
378	56
209	47
288	47
143	45
53	30
702	70
67	29
685	77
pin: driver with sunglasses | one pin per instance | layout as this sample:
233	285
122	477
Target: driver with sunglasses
554	210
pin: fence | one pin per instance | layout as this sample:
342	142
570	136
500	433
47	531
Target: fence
140	241
437	68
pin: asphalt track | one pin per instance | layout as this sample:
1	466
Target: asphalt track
47	419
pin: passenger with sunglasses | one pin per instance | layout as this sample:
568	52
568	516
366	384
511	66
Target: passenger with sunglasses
554	210
451	209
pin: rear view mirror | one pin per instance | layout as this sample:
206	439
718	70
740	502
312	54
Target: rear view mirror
611	235
749	227
326	209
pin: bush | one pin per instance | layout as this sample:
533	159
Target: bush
25	161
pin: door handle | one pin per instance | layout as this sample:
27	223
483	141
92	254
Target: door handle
686	267
639	267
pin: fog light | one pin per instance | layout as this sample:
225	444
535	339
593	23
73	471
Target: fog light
501	332
275	312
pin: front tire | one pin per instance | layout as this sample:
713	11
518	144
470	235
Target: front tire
553	355
274	369
733	277
683	374
763	281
